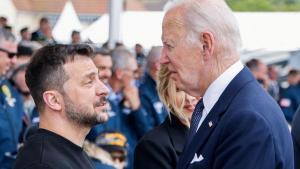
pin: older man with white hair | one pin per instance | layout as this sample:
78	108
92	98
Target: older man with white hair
236	124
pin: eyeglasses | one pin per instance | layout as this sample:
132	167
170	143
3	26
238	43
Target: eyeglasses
9	54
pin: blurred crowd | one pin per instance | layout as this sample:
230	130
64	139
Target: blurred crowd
134	104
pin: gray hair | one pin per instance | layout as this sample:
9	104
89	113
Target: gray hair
213	16
120	57
6	36
153	56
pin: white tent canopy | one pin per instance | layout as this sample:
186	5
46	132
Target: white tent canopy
67	22
259	30
270	30
136	27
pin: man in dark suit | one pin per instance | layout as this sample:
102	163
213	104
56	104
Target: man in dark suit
236	124
296	138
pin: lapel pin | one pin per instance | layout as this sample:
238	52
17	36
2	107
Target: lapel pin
210	124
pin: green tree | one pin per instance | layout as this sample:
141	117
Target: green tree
264	5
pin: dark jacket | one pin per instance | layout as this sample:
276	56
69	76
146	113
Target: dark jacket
245	129
150	102
289	101
11	114
296	138
161	147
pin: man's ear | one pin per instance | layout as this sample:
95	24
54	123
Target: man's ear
208	42
53	99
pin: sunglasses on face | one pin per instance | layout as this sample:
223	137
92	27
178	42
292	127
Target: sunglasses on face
9	54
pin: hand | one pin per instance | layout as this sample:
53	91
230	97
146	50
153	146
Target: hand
131	95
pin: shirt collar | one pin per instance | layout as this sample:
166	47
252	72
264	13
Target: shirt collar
117	96
218	86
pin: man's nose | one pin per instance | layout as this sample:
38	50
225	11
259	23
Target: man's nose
101	89
164	58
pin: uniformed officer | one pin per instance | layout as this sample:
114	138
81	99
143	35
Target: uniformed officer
11	108
290	98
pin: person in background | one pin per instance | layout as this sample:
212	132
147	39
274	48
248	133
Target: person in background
30	114
26	40
259	71
11	105
25	35
274	88
3	21
161	147
124	96
18	80
64	83
115	143
290	97
140	58
24	55
44	34
75	36
237	124
150	101
8	28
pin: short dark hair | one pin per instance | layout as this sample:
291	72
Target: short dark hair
253	64
7	27
2	18
44	20
102	51
293	72
74	33
45	70
24	30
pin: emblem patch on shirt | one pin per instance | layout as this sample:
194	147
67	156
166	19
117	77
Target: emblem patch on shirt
284	102
158	107
8	97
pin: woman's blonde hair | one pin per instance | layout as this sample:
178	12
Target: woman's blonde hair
168	93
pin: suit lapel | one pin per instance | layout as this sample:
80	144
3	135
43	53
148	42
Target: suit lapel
211	121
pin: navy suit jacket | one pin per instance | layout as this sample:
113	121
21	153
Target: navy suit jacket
244	130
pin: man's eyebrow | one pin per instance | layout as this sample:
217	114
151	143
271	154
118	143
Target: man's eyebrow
91	74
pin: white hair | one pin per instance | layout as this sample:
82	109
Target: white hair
120	58
213	16
153	56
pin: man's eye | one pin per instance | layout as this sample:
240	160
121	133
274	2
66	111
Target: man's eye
89	82
169	46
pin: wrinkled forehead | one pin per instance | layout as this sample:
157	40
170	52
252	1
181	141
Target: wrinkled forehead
173	22
173	18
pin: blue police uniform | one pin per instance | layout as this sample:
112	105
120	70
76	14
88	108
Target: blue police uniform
289	101
155	110
11	114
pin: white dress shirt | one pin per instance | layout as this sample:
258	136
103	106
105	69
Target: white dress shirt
215	89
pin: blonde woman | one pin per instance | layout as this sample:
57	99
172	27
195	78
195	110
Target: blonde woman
161	147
